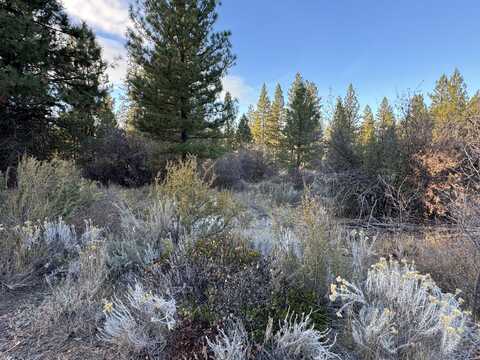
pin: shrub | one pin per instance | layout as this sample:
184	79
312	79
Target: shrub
141	322
398	313
145	235
199	209
231	344
233	169
41	246
282	193
84	279
117	158
322	251
296	339
47	190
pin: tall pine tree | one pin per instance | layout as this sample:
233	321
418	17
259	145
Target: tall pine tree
302	127
352	109
260	118
243	134
449	102
51	81
341	154
230	115
367	141
388	150
178	61
273	125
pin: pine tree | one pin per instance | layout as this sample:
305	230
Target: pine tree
388	149
260	118
243	134
178	61
230	115
416	127
367	141
106	119
352	109
341	154
51	80
302	127
273	125
449	102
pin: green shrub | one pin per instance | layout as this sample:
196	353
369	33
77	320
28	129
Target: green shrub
199	208
46	190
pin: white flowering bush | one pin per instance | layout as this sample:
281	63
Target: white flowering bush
139	323
398	313
296	339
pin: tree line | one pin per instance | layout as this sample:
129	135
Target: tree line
54	101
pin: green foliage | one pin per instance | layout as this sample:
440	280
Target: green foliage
449	101
178	61
47	190
243	134
416	127
230	115
273	125
199	208
260	118
367	141
302	128
51	81
341	151
387	139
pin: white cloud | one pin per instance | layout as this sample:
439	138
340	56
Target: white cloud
110	16
115	54
239	89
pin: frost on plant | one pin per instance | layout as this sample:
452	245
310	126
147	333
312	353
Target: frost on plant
141	322
400	313
297	339
230	344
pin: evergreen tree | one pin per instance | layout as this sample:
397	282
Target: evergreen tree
243	135
341	144
352	109
260	118
416	127
51	80
301	132
178	61
230	115
273	125
105	118
367	141
388	150
449	102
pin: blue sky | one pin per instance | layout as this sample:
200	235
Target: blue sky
383	47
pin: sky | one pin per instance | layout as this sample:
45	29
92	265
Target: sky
383	47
